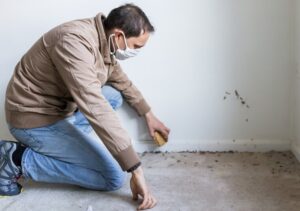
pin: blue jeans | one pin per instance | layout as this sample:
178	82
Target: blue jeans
69	152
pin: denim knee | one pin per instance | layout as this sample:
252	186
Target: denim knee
113	96
116	182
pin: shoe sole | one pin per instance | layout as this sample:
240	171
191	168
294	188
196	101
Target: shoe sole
5	196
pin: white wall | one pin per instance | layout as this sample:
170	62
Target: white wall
296	82
202	48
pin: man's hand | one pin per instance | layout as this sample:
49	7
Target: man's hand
139	187
155	125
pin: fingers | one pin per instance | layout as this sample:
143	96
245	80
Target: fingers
165	135
153	202
165	132
145	201
151	131
168	130
148	202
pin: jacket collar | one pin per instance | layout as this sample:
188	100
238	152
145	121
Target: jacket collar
103	43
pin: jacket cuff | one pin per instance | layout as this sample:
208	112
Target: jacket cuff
141	107
134	167
127	158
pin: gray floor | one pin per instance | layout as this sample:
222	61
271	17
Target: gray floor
185	181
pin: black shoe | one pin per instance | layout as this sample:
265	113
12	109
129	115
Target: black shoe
9	172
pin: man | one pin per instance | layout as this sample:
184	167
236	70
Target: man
65	87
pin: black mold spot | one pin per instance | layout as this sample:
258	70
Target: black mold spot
242	100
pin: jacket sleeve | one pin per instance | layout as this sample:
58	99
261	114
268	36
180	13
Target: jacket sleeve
74	60
132	95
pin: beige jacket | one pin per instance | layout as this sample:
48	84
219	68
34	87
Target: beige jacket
65	70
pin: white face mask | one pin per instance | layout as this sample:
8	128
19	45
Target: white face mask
121	54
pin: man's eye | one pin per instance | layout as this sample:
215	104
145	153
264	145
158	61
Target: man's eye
137	46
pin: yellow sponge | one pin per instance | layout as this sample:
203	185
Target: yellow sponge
159	139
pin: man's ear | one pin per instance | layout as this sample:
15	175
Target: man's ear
118	32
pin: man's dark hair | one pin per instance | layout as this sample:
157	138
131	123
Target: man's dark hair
130	19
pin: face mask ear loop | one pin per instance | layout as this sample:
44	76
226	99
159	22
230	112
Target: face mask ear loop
113	45
125	41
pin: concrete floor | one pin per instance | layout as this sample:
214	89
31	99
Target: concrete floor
184	181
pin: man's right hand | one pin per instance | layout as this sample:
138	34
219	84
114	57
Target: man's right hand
139	187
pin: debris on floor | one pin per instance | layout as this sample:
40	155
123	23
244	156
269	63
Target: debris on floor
194	180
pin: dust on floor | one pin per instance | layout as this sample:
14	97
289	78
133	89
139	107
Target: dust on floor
184	181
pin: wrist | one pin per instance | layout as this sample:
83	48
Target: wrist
149	114
138	171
